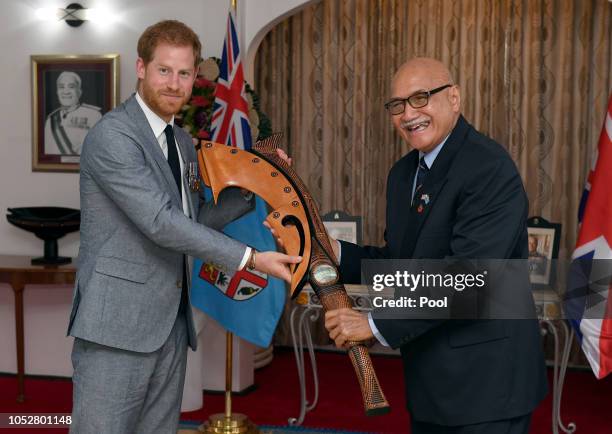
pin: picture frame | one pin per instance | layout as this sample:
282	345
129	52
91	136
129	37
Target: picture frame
70	93
343	226
543	246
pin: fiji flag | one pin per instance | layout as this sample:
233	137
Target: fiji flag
588	301
247	303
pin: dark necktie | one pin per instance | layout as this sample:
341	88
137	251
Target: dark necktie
175	167
173	157
420	178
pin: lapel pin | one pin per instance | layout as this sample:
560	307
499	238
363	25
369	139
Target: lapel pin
420	208
425	198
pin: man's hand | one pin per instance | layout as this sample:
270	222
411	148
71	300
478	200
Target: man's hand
282	154
276	264
347	325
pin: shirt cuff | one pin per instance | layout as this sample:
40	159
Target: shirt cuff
375	331
245	258
339	244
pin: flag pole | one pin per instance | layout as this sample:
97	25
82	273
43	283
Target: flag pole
228	422
229	348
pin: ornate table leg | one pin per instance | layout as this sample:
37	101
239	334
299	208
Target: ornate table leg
567	346
17	283
303	332
559	368
313	316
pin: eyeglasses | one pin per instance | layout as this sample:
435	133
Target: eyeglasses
397	105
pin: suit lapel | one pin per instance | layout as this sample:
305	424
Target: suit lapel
150	142
425	199
403	191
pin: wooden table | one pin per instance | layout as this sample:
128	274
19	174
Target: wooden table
18	271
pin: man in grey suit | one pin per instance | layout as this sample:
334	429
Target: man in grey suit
140	228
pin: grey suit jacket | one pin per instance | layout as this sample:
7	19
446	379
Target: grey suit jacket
134	234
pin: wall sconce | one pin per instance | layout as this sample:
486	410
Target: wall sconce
75	14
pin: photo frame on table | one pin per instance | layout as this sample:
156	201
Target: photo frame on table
543	245
343	226
70	93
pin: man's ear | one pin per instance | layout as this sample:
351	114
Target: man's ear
454	95
140	68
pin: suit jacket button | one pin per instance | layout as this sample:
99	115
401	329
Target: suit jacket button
179	283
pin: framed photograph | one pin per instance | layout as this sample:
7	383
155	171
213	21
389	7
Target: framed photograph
543	243
343	226
70	93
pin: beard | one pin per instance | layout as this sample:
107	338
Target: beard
157	100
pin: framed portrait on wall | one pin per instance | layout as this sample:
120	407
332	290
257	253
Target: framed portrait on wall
543	246
70	93
343	226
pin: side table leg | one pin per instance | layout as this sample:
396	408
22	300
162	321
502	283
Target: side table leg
313	360
550	326
567	346
18	285
298	350
298	337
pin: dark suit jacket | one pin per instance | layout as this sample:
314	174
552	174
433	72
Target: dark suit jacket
460	372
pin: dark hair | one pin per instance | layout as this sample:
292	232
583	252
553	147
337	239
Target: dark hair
170	32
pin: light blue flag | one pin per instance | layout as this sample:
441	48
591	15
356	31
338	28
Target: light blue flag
249	303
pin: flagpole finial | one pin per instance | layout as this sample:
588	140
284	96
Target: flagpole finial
234	5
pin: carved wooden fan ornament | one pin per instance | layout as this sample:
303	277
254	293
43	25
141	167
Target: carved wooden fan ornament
296	220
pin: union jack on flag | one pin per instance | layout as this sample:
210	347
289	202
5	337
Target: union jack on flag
230	119
588	302
247	303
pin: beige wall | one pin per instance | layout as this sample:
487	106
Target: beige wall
22	34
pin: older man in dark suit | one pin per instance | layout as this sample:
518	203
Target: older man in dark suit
457	194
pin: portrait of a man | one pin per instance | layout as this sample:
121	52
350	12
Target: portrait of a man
70	94
538	261
67	125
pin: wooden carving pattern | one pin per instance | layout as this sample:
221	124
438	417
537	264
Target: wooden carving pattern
267	148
